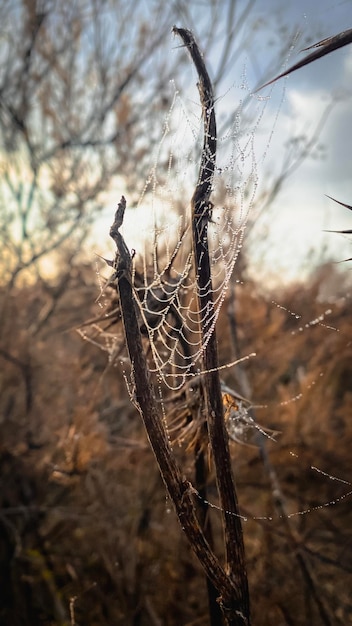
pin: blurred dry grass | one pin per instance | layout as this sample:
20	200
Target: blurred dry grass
86	531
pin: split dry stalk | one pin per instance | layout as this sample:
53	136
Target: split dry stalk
180	490
218	438
231	580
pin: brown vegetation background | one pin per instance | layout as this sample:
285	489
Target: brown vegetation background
87	535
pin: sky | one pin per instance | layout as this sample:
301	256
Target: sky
302	211
289	235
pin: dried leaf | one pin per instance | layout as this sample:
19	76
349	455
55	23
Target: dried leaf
342	232
338	202
325	46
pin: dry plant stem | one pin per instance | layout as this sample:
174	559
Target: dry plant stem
201	214
201	475
180	490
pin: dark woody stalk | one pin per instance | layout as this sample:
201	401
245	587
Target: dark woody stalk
231	581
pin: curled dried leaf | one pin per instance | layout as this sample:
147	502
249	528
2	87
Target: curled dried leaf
325	46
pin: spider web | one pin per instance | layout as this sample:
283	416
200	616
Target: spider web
164	278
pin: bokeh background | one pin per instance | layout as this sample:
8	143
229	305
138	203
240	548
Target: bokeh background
88	90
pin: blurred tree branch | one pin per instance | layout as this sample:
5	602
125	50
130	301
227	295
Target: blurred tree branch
70	79
72	119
